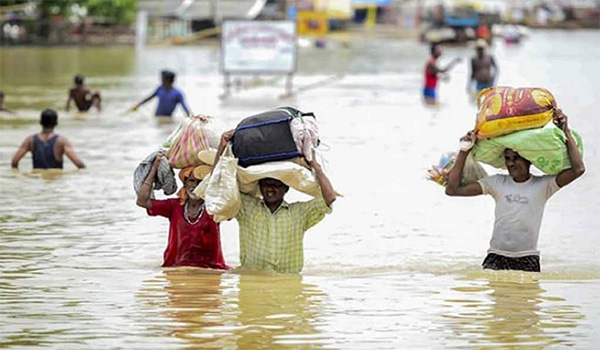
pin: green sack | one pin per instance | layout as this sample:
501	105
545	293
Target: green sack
545	148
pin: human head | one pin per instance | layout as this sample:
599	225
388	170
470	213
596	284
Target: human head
518	167
186	175
480	47
167	77
78	79
190	184
49	118
1	98
272	190
435	50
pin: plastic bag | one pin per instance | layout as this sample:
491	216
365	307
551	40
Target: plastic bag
472	170
305	132
504	110
220	190
192	138
544	148
174	135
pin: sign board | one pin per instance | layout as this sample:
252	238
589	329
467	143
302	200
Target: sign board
258	47
312	23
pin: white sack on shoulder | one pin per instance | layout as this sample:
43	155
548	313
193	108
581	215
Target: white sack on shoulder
290	173
293	172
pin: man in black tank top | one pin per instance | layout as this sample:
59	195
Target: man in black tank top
47	148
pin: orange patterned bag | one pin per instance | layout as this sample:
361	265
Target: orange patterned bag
504	110
192	139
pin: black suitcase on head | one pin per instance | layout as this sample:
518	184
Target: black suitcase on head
266	137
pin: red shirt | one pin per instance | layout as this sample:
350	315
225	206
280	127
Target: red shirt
431	79
189	245
483	32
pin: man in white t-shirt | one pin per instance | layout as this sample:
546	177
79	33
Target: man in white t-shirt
520	200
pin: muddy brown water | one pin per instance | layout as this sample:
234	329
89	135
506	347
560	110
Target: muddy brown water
397	263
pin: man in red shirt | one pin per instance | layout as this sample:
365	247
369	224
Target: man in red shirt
194	238
432	72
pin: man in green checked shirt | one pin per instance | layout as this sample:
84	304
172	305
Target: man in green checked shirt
272	230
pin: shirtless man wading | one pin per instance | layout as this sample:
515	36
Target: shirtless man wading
484	70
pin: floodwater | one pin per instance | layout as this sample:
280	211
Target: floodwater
395	266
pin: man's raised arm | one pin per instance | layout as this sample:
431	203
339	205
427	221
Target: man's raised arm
454	187
577	169
225	138
327	190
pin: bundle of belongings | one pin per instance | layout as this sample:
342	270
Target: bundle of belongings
439	173
516	118
193	134
281	134
165	177
273	144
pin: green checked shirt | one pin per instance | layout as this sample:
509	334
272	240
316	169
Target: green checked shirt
274	241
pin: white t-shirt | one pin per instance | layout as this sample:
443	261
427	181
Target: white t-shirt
519	211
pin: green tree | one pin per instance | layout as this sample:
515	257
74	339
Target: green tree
119	11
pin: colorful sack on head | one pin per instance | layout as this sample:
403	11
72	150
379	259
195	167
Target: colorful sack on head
192	139
503	110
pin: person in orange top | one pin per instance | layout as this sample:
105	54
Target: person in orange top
483	31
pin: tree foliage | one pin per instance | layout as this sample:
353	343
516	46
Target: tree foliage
116	11
119	11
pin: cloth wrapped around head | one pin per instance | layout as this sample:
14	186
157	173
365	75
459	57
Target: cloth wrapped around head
198	172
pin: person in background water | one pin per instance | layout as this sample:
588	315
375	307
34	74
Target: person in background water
272	230
483	31
168	97
83	97
194	238
2	107
520	200
47	148
432	73
484	70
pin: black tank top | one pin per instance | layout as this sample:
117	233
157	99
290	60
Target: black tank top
43	153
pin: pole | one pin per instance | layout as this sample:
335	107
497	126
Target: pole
141	26
289	85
